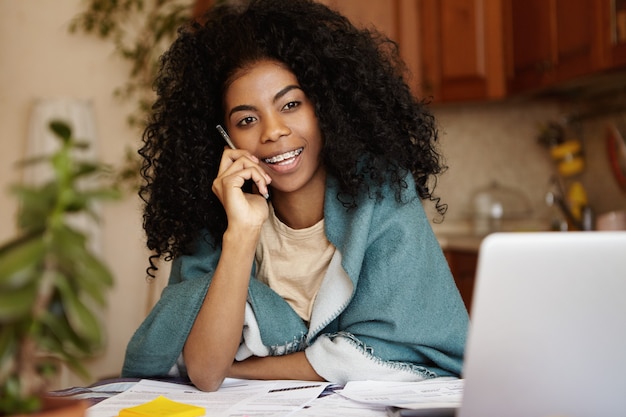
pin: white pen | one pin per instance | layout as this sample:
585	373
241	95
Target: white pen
232	146
225	136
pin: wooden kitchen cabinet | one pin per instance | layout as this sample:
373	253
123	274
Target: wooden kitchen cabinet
395	18
463	49
492	49
454	49
553	41
463	267
613	36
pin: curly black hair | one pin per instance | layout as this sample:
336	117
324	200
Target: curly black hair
374	129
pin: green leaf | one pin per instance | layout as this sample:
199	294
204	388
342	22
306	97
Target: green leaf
36	204
80	318
74	202
17	303
94	278
19	262
86	168
8	348
76	366
48	368
68	245
60	338
100	194
13	401
61	129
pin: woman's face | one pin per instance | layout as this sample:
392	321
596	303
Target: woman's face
268	114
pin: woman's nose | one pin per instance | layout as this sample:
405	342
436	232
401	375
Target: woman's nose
275	128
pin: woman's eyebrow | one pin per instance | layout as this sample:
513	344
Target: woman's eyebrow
278	96
243	107
284	91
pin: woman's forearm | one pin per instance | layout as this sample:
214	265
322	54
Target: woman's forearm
216	333
292	366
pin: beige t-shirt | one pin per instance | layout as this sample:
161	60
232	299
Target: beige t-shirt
293	262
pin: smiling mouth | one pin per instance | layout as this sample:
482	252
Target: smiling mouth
283	158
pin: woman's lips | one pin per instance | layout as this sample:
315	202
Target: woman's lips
284	158
284	163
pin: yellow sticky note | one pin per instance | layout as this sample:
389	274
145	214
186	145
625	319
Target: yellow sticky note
162	407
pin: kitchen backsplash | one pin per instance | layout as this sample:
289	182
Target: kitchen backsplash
483	143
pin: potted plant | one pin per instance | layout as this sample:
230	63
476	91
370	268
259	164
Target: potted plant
50	279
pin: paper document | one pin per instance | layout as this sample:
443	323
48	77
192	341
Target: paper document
235	397
254	398
431	393
336	405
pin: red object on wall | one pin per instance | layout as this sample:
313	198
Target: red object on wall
616	148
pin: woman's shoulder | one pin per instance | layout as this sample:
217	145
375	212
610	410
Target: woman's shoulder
374	207
199	259
396	188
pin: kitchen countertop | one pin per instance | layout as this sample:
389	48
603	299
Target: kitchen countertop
457	235
460	235
463	242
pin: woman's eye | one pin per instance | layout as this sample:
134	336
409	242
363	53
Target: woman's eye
245	121
291	105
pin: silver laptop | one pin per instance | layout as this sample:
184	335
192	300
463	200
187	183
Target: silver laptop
548	333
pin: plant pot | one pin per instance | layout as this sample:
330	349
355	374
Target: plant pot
60	407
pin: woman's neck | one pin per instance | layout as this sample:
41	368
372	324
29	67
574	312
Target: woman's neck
303	208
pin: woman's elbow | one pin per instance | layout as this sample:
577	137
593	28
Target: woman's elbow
204	373
206	380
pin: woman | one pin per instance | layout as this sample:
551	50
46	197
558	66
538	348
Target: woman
303	252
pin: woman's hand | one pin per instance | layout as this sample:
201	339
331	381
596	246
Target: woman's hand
236	167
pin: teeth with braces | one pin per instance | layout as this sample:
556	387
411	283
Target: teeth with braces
280	158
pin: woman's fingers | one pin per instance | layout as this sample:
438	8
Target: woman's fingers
238	166
231	156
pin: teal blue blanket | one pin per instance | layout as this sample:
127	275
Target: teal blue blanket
388	308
